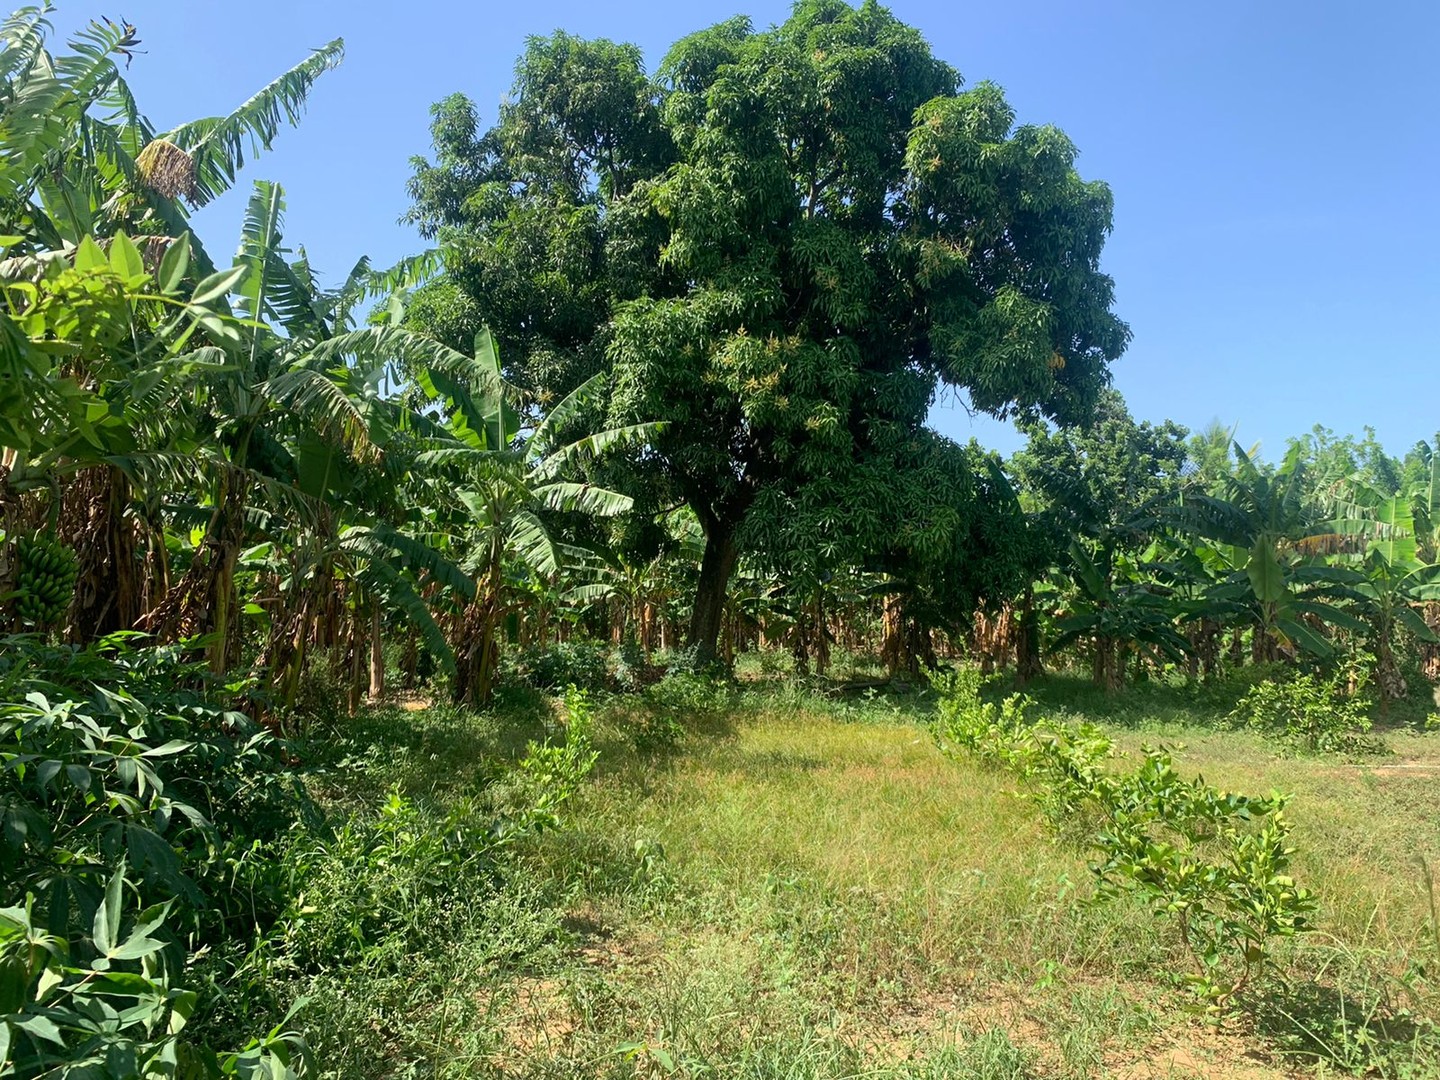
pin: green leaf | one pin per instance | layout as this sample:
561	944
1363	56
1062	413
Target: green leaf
1090	576
88	256
175	265
182	1007
217	145
41	1027
125	258
218	284
1411	620
1306	638
1267	579
106	930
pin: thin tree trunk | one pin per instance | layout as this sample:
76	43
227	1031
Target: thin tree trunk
822	635
354	656
477	650
377	656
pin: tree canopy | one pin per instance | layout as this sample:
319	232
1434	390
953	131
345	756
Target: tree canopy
782	245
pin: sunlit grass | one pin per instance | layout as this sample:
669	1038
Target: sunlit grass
806	887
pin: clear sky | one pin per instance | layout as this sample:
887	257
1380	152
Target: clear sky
1276	165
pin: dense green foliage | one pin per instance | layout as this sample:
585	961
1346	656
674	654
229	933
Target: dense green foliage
652	414
782	245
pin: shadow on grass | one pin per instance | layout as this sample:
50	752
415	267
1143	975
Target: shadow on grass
1138	705
426	753
1318	1024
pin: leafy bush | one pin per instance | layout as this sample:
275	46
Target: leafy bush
128	803
552	772
1307	713
653	730
568	663
1216	861
670	705
105	1004
628	669
688	696
689	661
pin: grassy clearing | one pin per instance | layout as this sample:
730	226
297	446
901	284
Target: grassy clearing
805	888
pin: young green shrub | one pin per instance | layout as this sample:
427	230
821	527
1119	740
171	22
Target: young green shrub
653	731
1308	714
996	733
552	772
1215	861
1218	862
689	697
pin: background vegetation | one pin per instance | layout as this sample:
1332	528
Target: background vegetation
569	653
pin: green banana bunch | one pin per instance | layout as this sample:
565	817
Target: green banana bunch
45	579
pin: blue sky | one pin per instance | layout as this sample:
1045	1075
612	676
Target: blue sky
1275	166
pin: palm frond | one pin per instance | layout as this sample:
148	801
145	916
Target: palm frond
218	145
315	396
534	544
275	289
22	42
384	580
595	445
583	498
384	542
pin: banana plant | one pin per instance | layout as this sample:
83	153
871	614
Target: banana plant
1394	580
78	158
1116	606
297	413
1262	527
512	482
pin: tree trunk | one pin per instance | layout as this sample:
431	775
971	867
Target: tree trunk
1430	654
1387	669
716	566
1108	668
822	635
95	520
647	629
477	648
893	648
908	645
1028	664
203	600
377	656
355	660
